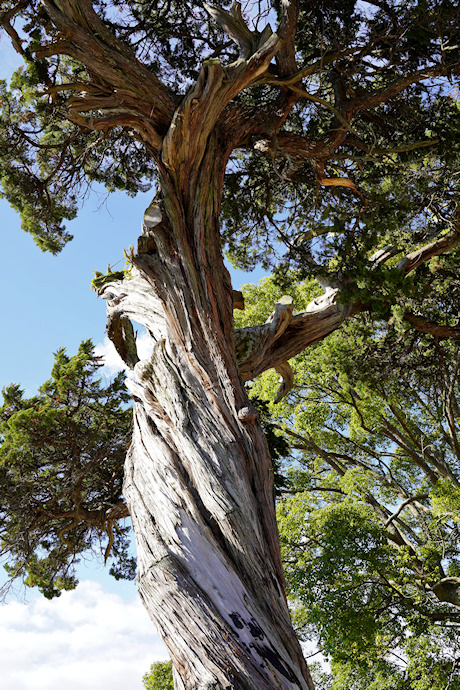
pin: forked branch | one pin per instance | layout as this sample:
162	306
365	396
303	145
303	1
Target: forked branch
258	350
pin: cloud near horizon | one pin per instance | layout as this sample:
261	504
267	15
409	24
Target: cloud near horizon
85	638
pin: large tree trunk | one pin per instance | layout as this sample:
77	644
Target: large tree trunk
198	479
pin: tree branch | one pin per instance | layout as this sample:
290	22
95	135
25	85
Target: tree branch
324	315
425	326
187	138
233	24
285	58
375	98
121	333
88	40
392	517
428	251
6	23
258	350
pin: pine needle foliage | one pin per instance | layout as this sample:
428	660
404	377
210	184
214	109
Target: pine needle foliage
61	472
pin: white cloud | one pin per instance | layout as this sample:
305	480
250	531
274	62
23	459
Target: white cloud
113	362
85	638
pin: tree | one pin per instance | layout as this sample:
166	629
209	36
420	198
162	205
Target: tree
160	676
61	473
369	511
247	131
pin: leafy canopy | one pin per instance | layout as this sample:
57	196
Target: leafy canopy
61	471
160	676
369	511
370	106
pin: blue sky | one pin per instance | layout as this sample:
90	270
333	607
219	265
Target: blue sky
99	635
48	302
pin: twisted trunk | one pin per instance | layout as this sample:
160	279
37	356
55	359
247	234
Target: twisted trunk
198	480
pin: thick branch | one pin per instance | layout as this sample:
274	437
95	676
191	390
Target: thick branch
324	315
253	343
259	349
448	589
234	25
427	252
187	138
121	333
425	326
94	45
287	29
375	98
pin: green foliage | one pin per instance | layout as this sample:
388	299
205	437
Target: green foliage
47	162
340	557
159	677
372	423
445	500
431	664
284	220
42	207
402	154
61	470
101	279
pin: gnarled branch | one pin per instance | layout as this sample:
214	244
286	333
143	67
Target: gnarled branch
109	60
287	30
257	352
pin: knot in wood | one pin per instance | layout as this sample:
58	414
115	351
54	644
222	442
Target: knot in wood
248	414
146	243
112	300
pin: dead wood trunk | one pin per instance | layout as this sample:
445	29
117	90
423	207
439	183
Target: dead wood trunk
198	481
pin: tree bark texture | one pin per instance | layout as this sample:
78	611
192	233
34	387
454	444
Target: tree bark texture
198	480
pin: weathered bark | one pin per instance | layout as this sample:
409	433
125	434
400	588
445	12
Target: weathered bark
198	479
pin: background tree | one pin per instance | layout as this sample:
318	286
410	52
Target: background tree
248	131
160	676
61	474
369	510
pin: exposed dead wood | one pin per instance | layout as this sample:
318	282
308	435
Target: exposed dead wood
258	351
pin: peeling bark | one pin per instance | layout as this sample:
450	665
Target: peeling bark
198	476
198	485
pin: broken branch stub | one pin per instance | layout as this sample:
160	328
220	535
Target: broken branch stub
253	342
